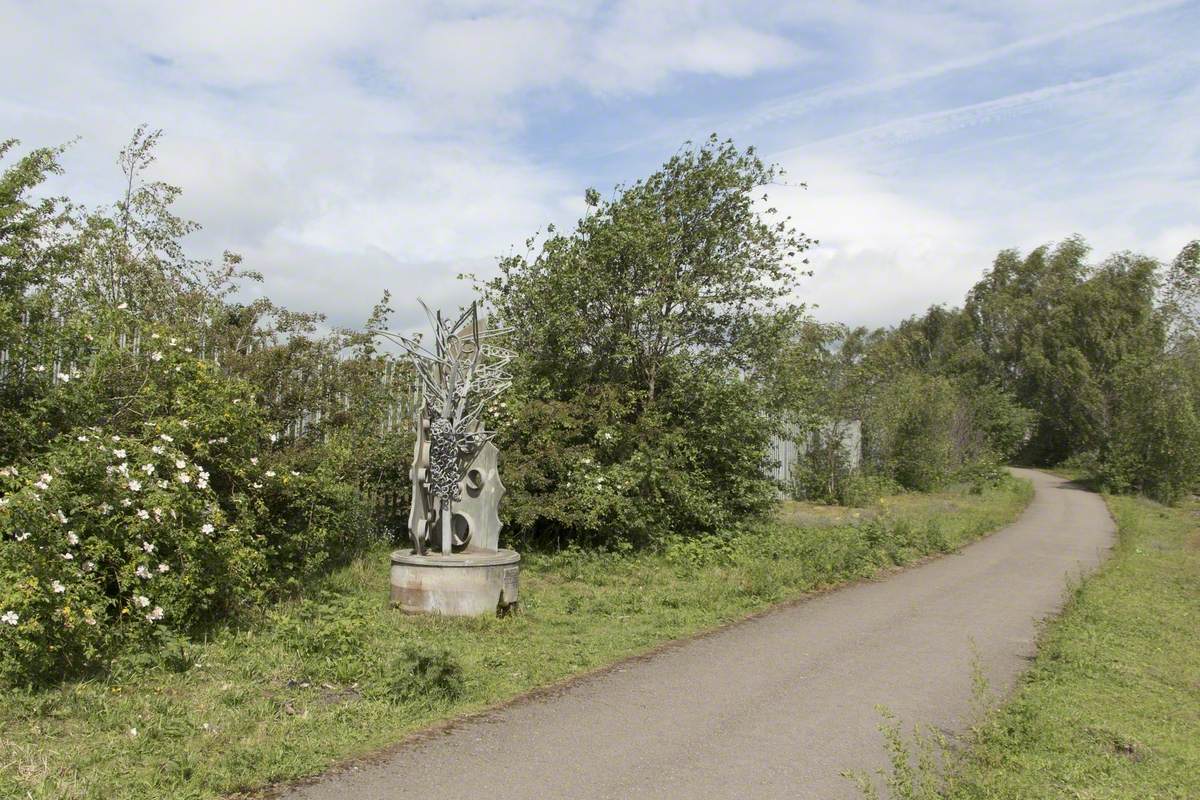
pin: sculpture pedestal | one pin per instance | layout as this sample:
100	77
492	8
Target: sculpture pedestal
466	584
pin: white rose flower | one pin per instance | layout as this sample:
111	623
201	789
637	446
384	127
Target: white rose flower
180	463
148	469
156	356
142	572
149	548
119	453
10	618
141	600
143	514
207	528
166	438
163	568
72	538
183	477
57	587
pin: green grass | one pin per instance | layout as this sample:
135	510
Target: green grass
1111	707
339	674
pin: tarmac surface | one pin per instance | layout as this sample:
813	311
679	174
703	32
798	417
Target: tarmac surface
778	706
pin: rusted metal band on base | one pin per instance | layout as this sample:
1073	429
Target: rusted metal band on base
466	558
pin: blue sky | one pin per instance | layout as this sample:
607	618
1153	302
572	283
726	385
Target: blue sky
351	147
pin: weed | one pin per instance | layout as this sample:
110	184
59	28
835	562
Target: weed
425	673
338	674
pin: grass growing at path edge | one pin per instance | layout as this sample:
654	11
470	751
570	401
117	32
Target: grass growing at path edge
1111	708
339	674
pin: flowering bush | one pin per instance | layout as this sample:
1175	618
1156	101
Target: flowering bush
175	512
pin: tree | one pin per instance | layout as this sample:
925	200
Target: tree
1181	295
656	325
1052	330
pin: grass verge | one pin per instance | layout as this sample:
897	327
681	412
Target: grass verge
1111	707
339	674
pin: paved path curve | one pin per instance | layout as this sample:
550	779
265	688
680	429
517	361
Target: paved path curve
779	706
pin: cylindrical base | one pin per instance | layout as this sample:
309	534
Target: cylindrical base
467	584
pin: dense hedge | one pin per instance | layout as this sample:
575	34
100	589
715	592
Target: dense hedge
173	513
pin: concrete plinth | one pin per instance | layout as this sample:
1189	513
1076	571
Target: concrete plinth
466	584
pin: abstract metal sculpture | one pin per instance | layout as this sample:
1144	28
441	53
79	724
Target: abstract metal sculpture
455	383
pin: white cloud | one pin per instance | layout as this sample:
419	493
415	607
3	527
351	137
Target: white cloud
882	255
345	148
647	42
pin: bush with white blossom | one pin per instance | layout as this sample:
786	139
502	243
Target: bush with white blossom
174	512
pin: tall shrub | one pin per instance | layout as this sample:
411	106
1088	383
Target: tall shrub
647	341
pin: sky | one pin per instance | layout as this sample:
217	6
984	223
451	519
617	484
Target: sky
347	148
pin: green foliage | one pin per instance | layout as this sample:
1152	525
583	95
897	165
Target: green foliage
698	552
1154	446
319	681
185	504
1054	330
428	674
982	474
181	520
825	468
1051	358
914	762
860	490
1108	707
912	425
650	358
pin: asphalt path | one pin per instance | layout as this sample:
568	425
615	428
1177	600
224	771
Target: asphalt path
778	706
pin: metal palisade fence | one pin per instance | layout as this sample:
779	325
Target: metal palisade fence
306	401
34	357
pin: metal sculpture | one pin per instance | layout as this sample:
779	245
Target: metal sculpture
455	382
